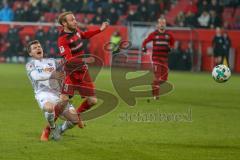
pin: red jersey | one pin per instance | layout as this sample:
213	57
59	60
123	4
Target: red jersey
162	42
77	76
71	45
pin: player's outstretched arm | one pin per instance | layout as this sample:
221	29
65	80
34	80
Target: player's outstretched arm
89	34
104	26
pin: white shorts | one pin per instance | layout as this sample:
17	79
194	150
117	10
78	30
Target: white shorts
44	97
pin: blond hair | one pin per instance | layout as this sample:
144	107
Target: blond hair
161	18
62	17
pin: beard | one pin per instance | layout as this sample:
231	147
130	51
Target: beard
71	28
162	27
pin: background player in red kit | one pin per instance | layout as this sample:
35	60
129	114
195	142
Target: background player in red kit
71	48
162	43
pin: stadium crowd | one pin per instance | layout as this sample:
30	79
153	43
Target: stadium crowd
198	13
207	14
131	10
204	13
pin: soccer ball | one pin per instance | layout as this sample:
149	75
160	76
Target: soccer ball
221	73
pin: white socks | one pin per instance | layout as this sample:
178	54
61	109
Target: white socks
66	125
50	118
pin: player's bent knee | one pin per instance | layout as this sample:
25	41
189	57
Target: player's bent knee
92	100
64	99
75	122
62	103
48	107
74	119
71	115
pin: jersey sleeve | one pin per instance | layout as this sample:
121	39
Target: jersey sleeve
64	48
148	39
89	34
37	74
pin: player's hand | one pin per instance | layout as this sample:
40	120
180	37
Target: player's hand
104	26
57	75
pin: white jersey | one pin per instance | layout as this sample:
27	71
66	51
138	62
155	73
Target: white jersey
40	71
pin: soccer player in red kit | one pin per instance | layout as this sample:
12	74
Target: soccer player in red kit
71	48
163	41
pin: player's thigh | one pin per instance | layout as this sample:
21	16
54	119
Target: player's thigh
48	107
91	100
160	71
87	89
64	99
67	88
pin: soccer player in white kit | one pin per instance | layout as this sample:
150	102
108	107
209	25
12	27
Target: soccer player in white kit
45	78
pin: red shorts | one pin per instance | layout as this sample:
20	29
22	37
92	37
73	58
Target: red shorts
160	71
79	81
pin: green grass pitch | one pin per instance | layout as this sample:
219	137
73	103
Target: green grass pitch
212	134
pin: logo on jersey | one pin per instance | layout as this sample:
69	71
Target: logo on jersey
61	49
78	35
40	70
50	69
